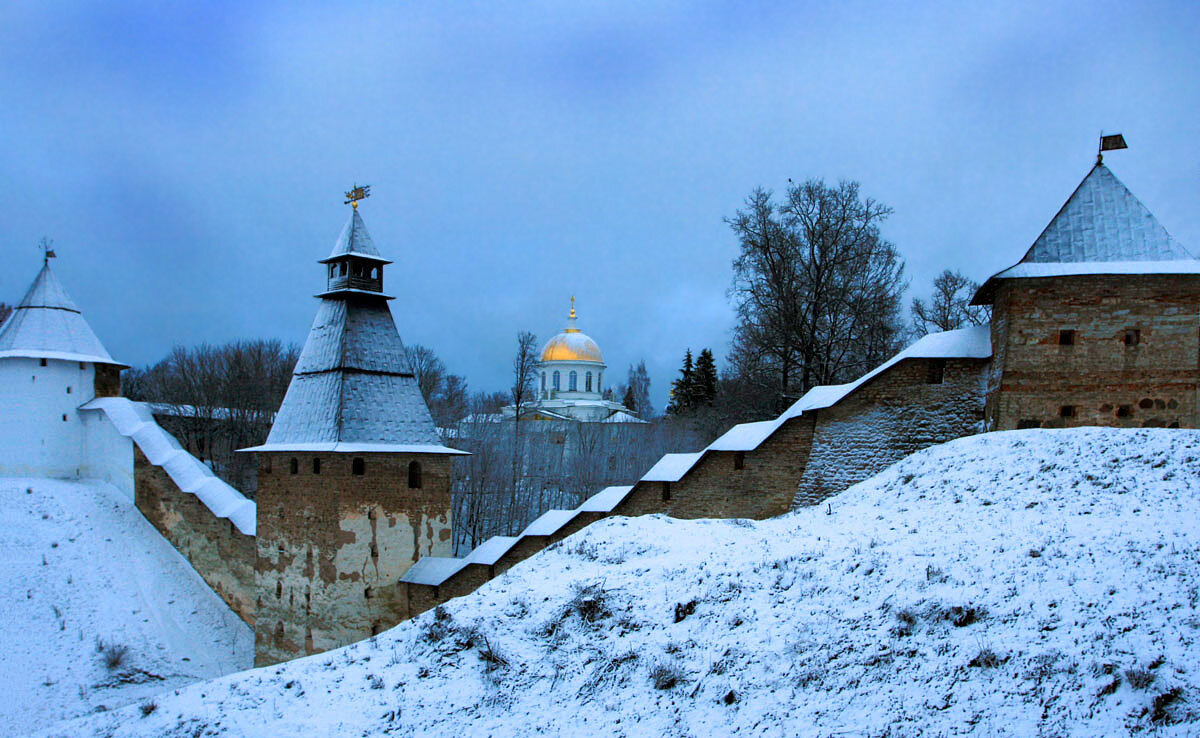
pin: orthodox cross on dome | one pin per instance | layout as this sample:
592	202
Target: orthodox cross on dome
47	252
1109	143
357	193
571	318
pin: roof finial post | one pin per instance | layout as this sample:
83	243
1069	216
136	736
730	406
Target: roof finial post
357	193
47	252
572	315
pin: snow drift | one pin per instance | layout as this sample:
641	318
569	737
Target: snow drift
1021	583
99	611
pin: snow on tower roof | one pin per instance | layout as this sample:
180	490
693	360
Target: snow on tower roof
355	241
1101	229
48	325
353	389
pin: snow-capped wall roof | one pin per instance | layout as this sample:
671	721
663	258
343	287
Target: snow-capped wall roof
433	570
48	325
671	467
490	551
606	499
965	343
1101	229
134	420
549	523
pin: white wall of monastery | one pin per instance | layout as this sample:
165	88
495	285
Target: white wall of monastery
107	455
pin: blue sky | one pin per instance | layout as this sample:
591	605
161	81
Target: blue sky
189	159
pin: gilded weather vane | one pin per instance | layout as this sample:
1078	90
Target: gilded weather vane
357	193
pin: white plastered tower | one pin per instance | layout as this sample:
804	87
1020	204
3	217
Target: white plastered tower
51	363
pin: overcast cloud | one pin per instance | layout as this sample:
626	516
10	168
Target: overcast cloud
189	161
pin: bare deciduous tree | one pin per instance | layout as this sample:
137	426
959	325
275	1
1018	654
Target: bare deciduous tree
949	307
816	288
217	399
5	311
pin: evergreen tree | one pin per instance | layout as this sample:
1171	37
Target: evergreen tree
704	379
629	401
681	389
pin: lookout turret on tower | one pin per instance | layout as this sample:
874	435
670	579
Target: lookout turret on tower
353	480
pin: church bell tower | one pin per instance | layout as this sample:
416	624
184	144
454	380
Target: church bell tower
353	480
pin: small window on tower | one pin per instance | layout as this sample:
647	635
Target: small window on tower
358	467
1133	336
68	390
1066	338
666	491
414	475
294	466
43	362
316	465
64	417
739	460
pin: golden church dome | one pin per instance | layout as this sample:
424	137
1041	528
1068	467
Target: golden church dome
571	344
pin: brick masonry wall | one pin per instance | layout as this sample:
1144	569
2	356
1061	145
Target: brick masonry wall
1100	379
219	552
332	545
895	414
715	488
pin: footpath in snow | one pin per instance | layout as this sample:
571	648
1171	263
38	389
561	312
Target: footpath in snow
97	610
1023	583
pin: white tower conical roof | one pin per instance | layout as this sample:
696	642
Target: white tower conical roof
48	325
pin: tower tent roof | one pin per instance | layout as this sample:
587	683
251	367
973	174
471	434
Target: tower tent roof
354	240
353	389
48	325
1101	229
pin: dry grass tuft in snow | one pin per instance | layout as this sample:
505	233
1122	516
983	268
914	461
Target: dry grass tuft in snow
914	604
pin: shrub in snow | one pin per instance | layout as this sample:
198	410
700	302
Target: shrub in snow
1139	678
148	707
1163	709
112	655
985	659
683	610
666	674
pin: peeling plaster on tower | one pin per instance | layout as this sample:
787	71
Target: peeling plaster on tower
354	483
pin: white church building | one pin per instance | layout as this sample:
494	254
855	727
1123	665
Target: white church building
570	381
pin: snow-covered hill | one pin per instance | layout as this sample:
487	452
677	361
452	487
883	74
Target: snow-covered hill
1024	583
79	566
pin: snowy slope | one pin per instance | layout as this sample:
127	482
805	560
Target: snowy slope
80	563
1022	583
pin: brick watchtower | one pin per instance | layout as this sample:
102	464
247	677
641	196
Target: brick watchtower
353	481
1099	323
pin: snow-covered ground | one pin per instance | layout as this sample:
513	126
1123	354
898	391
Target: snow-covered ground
79	565
1024	583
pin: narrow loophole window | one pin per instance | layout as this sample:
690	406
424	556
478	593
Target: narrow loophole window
358	467
294	466
739	460
43	362
1124	411
1066	338
937	371
414	475
1028	423
1066	411
316	466
666	491
1133	336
